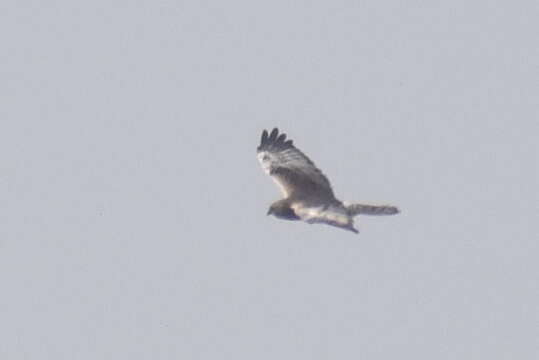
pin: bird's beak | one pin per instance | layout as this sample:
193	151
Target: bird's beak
270	210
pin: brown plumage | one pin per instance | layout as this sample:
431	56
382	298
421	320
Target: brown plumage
308	195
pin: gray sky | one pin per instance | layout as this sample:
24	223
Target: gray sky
133	209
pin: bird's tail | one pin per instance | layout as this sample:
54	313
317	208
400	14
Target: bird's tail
364	209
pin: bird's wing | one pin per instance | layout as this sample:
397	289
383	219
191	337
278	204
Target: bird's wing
293	172
331	214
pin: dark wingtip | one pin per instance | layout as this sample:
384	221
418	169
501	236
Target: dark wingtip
280	139
264	137
274	140
274	134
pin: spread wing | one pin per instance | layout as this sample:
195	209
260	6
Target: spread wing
294	173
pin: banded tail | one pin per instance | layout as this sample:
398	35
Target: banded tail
364	209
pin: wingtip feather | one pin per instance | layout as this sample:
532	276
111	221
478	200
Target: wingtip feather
264	137
274	134
274	140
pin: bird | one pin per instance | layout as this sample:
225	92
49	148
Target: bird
307	192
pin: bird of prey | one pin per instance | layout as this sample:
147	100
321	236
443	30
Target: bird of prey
308	195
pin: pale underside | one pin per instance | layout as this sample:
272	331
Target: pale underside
334	215
305	186
306	190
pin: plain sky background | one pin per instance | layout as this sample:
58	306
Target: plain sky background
133	208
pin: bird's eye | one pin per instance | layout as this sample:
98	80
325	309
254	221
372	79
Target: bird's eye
265	157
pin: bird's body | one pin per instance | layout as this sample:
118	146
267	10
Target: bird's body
308	195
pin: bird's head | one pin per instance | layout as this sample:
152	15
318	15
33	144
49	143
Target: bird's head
282	210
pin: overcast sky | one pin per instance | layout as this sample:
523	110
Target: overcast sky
133	210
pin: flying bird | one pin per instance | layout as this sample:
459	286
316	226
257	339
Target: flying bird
308	195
